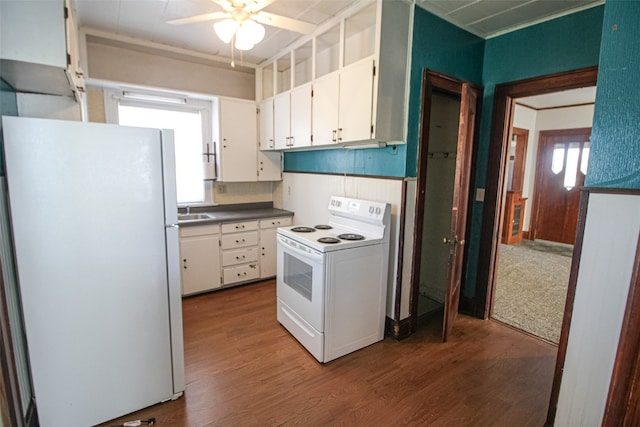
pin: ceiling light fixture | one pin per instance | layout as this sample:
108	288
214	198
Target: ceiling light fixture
246	32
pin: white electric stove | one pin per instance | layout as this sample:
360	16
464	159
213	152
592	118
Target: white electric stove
332	278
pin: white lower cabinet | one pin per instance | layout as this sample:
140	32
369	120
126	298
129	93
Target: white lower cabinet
200	258
239	252
268	247
214	256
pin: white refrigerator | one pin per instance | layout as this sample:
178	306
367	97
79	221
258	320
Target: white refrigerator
93	215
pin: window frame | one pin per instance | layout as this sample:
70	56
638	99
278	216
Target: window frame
165	100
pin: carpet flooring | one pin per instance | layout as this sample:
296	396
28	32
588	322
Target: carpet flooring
531	288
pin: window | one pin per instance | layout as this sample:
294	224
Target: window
189	120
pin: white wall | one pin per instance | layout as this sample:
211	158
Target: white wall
307	195
536	121
611	234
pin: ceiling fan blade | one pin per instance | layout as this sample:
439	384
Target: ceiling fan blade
283	22
199	18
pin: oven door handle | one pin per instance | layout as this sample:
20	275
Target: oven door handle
311	254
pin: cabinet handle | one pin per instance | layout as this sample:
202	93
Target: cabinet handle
242	274
240	241
339	134
241	257
239	226
333	138
184	263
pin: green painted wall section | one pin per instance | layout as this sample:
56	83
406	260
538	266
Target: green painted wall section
615	136
566	43
441	47
388	161
8	107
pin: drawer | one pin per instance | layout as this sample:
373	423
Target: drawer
239	240
240	273
199	230
239	256
275	222
234	227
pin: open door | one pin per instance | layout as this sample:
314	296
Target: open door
456	239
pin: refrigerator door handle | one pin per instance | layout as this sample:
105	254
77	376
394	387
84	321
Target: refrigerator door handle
172	226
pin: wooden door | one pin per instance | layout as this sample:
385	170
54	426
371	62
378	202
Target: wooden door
459	207
563	156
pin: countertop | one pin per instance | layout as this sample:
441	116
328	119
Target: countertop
234	213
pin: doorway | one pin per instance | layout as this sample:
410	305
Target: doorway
444	165
546	164
503	113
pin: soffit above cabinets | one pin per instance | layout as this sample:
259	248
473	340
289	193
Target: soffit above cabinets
145	21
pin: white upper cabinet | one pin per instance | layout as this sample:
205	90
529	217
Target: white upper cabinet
292	105
235	135
38	52
266	125
359	78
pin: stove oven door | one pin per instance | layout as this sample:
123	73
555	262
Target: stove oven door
300	283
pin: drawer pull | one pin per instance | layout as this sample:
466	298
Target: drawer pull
240	241
241	257
239	226
242	274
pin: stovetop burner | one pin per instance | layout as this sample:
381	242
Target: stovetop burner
323	227
351	236
303	229
328	240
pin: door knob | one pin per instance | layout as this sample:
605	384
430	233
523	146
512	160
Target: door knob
446	240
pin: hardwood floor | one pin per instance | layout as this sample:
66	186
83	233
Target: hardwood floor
244	369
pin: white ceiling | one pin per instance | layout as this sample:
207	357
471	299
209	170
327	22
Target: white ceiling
146	20
566	98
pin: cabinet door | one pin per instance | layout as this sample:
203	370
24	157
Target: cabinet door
239	143
281	120
301	116
269	166
266	124
268	252
356	101
325	109
200	259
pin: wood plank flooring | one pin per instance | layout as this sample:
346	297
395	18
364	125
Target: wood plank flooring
244	369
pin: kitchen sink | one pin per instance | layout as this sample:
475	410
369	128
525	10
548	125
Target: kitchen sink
194	217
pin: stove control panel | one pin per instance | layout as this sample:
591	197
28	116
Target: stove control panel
358	208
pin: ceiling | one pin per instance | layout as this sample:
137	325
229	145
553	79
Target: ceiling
565	98
145	20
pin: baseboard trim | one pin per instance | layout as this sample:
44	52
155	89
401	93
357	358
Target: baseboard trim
397	330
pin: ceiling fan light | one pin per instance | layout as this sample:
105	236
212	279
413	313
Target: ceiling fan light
250	32
225	29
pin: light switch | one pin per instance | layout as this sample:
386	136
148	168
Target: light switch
479	194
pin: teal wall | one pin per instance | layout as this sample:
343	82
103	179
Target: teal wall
566	43
441	47
615	136
8	107
387	161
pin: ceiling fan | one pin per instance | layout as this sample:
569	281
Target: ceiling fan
240	21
